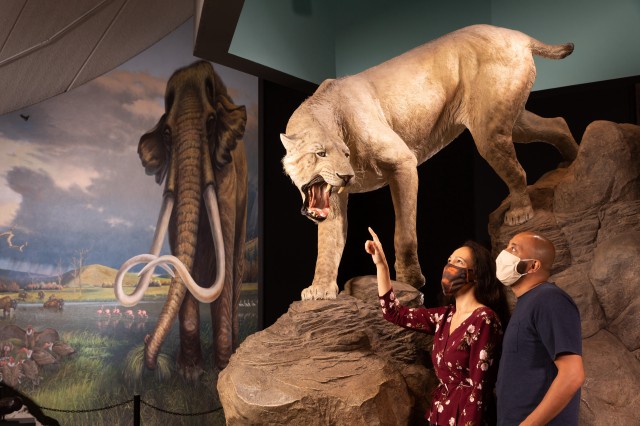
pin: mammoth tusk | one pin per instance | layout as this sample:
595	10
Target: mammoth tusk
162	224
211	201
136	296
156	264
156	246
204	295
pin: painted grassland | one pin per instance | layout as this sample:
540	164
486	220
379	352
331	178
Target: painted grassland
96	384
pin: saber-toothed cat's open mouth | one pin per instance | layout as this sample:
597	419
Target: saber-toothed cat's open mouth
317	193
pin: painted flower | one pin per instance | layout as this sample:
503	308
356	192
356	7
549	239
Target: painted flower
382	303
484	366
471	329
452	422
483	354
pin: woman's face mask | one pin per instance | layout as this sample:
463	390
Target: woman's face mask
455	277
508	267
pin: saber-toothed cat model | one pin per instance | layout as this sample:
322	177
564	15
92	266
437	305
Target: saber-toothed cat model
365	131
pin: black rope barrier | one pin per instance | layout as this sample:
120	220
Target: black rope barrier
89	410
137	403
202	413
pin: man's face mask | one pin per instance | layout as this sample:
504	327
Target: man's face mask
455	277
509	267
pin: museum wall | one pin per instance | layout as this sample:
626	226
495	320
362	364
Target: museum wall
605	34
295	37
315	40
367	34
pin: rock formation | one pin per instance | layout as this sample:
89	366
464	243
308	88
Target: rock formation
331	362
591	212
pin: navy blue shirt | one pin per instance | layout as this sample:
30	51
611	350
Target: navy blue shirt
544	324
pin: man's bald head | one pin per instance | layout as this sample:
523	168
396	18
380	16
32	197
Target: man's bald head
536	246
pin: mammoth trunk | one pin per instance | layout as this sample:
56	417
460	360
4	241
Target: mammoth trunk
188	186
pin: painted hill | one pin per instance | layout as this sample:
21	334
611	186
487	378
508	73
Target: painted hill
97	275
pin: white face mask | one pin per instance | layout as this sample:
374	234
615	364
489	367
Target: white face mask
507	268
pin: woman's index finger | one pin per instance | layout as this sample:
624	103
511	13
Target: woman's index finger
374	235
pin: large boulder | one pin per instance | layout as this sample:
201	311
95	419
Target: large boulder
591	210
615	276
611	393
331	362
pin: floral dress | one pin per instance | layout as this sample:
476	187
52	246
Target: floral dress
465	359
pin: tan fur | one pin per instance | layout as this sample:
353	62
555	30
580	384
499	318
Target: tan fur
392	117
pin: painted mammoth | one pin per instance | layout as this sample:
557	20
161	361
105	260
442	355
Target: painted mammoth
197	149
54	303
6	303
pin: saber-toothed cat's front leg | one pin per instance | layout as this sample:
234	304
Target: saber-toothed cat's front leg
332	235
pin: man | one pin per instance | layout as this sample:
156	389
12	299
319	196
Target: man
541	371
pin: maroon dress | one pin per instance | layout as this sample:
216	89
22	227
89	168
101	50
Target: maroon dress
465	359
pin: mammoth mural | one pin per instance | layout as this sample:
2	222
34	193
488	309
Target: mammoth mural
197	150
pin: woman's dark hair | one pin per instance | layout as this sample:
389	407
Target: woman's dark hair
489	291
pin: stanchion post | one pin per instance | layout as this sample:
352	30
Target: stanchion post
136	410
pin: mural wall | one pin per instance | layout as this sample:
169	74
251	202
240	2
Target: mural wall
75	203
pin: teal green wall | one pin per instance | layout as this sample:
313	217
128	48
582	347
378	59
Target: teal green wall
384	29
293	36
606	35
319	39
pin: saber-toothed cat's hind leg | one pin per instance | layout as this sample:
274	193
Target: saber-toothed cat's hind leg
497	149
332	235
530	127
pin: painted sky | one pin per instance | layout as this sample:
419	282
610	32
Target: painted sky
70	176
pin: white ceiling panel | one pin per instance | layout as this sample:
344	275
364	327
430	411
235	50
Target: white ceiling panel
49	47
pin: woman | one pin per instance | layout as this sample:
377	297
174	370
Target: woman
467	333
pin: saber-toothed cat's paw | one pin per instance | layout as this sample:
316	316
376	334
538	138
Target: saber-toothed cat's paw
320	292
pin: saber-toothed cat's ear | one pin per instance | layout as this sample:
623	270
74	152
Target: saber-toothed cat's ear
288	142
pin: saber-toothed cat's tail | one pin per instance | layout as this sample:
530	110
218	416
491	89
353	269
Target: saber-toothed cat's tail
550	51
